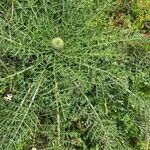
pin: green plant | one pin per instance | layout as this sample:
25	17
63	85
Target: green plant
88	95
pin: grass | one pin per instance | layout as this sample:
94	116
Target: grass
93	94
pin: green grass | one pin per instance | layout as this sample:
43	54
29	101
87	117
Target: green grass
91	95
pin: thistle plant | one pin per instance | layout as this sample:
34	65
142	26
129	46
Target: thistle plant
88	88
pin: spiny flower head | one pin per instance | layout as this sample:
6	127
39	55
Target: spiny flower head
57	43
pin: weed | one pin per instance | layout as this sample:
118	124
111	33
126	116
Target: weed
94	94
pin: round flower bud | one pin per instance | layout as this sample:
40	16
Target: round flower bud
57	43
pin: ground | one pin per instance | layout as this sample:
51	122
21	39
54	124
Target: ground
89	92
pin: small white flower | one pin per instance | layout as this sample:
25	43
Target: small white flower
34	148
57	43
8	97
115	63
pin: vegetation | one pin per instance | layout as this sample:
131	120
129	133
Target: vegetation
90	93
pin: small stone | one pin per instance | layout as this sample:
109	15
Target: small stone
57	43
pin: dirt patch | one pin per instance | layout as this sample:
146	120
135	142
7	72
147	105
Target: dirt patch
118	15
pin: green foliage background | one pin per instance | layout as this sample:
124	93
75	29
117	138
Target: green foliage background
93	94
